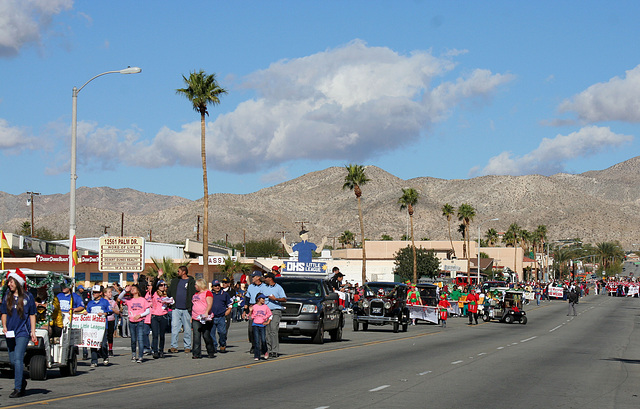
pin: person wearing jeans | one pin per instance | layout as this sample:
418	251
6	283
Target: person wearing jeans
221	310
182	289
138	309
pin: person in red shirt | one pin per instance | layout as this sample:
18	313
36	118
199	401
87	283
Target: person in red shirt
472	302
443	304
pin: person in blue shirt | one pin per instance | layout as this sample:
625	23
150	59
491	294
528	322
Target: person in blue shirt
275	297
221	308
18	311
66	298
99	305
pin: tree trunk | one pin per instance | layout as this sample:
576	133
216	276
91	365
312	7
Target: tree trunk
450	238
205	218
364	255
415	259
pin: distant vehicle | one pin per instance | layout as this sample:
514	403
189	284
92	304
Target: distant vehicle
46	353
311	309
382	303
508	309
490	285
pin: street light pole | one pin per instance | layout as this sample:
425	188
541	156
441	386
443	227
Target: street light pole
479	226
30	201
74	137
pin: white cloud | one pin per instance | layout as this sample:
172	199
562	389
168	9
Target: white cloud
12	137
616	100
348	103
24	22
550	156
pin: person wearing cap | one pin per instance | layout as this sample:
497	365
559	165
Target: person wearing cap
304	247
260	319
68	299
221	309
275	298
256	287
225	284
18	311
335	282
98	305
276	270
182	289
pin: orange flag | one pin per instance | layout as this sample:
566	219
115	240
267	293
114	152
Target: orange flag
74	252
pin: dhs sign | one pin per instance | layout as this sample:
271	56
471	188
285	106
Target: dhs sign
304	268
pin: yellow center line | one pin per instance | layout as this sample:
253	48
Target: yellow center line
169	379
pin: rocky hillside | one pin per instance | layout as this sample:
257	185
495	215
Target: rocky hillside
594	206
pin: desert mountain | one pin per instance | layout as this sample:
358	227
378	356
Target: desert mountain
599	205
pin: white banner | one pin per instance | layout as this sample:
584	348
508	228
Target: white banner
555	292
93	327
633	290
423	313
528	295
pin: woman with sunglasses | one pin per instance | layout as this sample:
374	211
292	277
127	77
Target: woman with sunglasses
159	317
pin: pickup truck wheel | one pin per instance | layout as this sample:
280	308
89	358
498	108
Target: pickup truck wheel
356	325
336	334
38	368
318	338
396	326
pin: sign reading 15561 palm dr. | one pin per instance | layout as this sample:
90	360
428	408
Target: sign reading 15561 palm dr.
121	254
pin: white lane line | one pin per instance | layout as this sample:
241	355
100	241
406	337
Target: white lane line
424	373
529	339
482	353
323	407
379	388
500	348
553	329
456	362
514	343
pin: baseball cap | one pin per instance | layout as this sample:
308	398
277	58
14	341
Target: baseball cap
275	268
96	289
256	273
224	280
215	283
80	287
260	296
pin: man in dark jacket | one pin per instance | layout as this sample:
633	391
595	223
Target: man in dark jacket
573	300
182	289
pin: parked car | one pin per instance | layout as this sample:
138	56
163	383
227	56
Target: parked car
46	353
382	303
311	309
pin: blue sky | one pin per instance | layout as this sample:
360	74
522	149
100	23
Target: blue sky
448	89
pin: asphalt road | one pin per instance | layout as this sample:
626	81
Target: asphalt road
588	361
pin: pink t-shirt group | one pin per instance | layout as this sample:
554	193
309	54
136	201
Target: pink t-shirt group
157	306
200	303
136	307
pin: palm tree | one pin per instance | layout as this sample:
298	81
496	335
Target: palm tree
512	237
346	238
354	179
448	211
492	237
230	267
169	268
409	199
462	230
466	213
609	253
203	90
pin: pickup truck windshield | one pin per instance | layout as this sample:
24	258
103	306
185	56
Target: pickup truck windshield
301	288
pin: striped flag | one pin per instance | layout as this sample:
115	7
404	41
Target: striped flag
74	252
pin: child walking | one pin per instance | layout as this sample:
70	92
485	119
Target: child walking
443	305
138	308
261	316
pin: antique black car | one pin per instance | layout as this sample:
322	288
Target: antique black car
382	303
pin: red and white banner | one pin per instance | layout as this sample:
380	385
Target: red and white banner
555	292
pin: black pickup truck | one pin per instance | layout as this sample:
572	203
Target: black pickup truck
311	309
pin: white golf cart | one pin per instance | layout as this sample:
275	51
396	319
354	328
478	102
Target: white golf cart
46	353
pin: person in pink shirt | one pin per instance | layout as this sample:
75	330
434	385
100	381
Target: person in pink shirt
261	317
138	308
159	317
202	320
111	318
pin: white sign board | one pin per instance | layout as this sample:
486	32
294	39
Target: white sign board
121	254
555	292
92	326
217	260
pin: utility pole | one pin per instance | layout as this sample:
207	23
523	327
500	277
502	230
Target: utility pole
226	239
302	222
244	242
150	236
197	228
105	229
30	202
122	226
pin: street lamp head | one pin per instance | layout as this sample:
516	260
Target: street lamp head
131	70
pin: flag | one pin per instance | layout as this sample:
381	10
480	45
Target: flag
4	244
74	252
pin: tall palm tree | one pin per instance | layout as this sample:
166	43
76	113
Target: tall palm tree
448	211
512	237
203	90
462	229
466	213
492	237
541	235
354	179
609	253
409	199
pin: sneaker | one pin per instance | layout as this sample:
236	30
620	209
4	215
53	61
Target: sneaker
133	358
105	362
139	360
266	355
161	354
187	350
223	350
173	350
17	393
94	365
111	352
156	355
256	359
